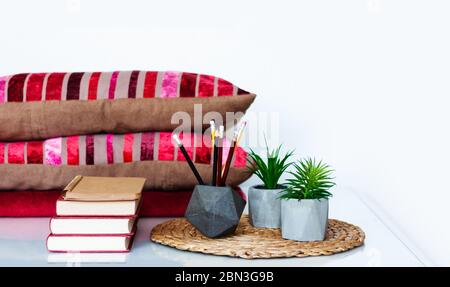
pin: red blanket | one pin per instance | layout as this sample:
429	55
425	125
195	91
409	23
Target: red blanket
43	203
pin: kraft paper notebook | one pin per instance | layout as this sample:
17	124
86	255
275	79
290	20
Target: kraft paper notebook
91	188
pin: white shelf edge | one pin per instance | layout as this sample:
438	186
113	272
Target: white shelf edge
393	228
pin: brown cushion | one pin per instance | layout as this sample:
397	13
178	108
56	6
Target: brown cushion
51	164
42	106
164	175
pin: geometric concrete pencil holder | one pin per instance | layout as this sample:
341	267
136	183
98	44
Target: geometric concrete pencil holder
215	210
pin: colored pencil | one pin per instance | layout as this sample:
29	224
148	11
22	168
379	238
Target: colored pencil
234	142
215	155
188	159
219	156
212	124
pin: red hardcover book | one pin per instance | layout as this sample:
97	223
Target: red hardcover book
90	243
97	208
120	225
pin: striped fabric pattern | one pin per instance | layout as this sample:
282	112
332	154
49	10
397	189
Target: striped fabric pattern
112	85
111	148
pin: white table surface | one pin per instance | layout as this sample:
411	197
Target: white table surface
22	243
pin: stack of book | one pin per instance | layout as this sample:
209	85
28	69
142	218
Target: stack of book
96	214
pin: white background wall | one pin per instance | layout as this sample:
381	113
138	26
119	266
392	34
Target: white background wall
363	84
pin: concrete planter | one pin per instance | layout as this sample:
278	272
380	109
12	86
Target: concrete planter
215	211
304	220
264	207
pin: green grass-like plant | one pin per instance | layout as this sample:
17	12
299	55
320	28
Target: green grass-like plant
271	170
311	180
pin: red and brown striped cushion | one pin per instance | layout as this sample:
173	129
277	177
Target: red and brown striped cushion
112	148
112	85
47	105
50	164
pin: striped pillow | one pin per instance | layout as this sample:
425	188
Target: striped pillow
48	105
50	164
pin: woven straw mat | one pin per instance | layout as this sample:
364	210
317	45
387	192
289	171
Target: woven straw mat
250	243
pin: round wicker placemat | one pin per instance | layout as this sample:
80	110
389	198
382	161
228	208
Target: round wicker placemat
250	242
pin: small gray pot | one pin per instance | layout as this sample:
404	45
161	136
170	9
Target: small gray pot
304	220
264	207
